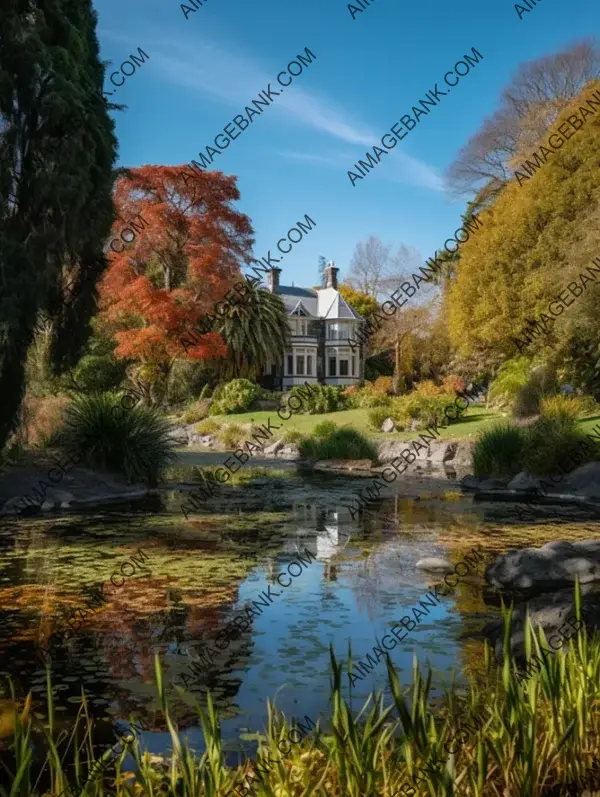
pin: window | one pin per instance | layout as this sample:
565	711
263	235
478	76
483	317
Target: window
309	365
302	326
290	368
343	367
353	365
300	365
332	369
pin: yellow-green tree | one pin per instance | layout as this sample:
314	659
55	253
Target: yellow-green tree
536	238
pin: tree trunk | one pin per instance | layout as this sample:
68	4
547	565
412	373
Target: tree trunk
396	377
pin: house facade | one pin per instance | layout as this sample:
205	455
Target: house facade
321	322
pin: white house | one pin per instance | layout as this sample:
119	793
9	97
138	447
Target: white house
321	322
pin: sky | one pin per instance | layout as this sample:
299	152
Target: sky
368	71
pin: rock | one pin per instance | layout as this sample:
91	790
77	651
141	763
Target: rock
492	484
14	507
62	498
344	465
550	567
434	564
288	452
271	451
584	481
550	611
463	454
179	434
415	426
206	440
48	506
470	482
441	451
388	425
524	482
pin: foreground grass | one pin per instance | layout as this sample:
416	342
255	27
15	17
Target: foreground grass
475	420
521	741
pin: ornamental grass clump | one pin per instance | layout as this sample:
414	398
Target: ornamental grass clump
492	738
499	451
109	435
339	443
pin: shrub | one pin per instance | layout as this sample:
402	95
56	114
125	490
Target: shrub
231	434
205	392
423	405
293	437
99	373
371	394
342	443
235	396
208	426
541	384
43	418
322	398
377	416
567	407
453	384
551	443
511	377
499	451
351	395
198	411
107	436
383	385
324	429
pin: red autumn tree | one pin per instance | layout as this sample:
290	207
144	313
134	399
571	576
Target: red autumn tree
188	252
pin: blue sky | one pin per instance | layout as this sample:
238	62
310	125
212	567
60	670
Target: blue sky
369	71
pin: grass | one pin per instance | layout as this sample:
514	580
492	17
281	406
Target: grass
475	420
495	739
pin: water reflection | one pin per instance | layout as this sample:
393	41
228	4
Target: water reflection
206	570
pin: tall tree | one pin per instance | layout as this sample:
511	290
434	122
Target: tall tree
376	270
528	106
55	197
187	256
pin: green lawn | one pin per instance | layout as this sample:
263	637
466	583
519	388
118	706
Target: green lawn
475	419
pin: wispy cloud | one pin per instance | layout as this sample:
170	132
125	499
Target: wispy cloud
235	79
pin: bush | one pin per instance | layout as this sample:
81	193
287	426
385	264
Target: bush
371	394
198	411
99	373
541	384
511	377
205	392
324	429
231	434
551	443
567	407
383	385
208	426
108	436
426	404
377	416
235	396
322	398
453	384
42	419
342	443
499	451
293	437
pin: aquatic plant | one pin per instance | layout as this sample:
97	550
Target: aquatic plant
340	443
493	739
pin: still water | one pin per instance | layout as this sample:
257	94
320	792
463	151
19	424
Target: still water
203	571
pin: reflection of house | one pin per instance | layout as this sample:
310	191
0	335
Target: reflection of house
321	323
333	528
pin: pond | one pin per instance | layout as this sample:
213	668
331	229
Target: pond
358	579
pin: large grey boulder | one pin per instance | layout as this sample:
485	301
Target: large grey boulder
463	454
548	568
271	451
441	451
289	452
388	425
180	434
524	482
551	612
584	481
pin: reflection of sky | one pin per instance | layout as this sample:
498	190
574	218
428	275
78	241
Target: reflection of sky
290	654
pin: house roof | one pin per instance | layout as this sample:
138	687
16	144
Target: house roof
326	303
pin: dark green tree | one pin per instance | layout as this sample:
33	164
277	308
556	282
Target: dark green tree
57	151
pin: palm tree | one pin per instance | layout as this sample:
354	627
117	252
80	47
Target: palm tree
256	333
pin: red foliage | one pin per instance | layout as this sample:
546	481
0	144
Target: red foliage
184	260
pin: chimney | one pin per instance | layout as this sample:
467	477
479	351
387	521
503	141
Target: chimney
332	273
273	279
